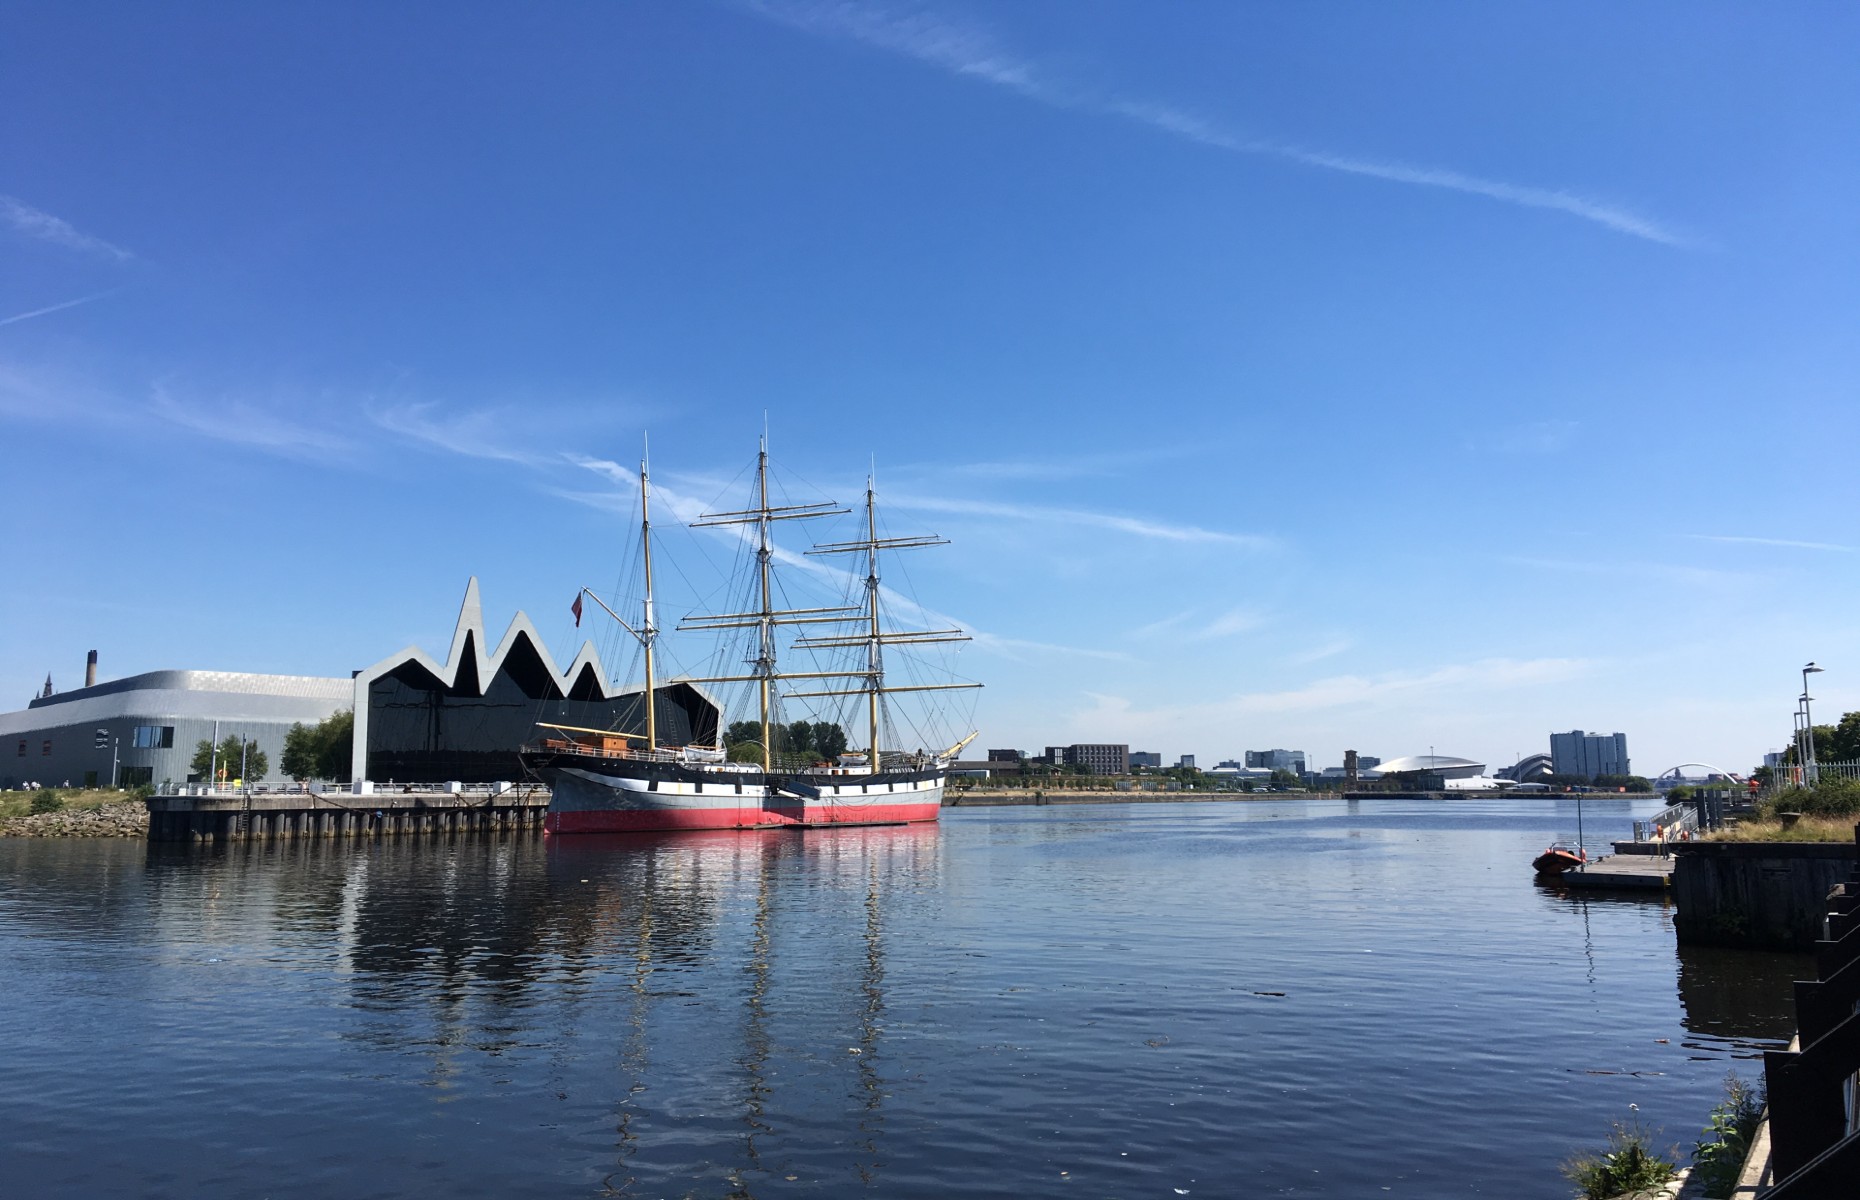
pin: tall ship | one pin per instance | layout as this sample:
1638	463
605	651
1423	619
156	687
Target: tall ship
614	781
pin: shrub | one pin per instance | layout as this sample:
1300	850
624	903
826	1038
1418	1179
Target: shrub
47	801
1629	1167
1719	1155
1832	797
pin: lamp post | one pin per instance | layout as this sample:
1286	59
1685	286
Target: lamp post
1810	774
1796	733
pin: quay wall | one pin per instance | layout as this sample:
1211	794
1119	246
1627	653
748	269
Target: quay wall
228	818
1765	895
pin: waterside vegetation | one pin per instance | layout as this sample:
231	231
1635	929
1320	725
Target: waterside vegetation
1629	1167
50	800
1825	812
1718	1158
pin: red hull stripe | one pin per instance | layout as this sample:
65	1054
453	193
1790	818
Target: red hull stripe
616	820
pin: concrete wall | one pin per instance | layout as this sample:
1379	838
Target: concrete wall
1769	895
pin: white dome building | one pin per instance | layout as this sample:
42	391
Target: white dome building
1444	766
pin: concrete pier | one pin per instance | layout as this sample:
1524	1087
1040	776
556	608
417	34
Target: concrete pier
1622	872
225	817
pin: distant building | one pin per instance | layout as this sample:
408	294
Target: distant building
1145	758
1277	760
1366	762
147	726
1099	759
1187	760
1006	756
1528	768
1055	756
1589	754
1420	769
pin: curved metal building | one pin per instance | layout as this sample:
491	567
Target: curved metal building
146	726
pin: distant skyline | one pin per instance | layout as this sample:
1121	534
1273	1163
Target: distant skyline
1443	376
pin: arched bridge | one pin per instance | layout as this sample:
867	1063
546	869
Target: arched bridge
1678	772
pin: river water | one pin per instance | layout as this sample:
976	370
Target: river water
1298	998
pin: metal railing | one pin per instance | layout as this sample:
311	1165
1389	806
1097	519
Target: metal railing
1814	1090
1790	775
337	789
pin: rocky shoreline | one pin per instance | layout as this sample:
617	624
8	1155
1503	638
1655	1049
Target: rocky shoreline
126	819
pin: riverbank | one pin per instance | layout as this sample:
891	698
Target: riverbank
116	818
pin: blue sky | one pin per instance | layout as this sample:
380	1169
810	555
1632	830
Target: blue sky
1317	376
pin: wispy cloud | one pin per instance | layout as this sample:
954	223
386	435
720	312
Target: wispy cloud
1349	692
1017	649
52	308
1785	543
44	227
1194	626
246	423
1672	572
1329	649
686	508
1135	526
481	433
972	52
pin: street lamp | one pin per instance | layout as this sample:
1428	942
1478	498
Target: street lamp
1810	774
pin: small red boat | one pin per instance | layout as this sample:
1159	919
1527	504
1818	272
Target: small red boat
1560	857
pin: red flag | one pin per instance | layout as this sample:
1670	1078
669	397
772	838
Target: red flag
576	609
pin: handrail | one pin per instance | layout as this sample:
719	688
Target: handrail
1814	1123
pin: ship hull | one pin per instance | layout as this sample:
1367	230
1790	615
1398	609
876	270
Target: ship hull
596	794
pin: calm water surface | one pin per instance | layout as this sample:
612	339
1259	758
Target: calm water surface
1319	998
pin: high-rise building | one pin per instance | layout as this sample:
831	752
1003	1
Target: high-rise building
1187	760
1589	754
1145	758
1277	760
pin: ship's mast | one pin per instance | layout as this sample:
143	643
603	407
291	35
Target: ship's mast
874	662
875	638
649	629
765	653
766	617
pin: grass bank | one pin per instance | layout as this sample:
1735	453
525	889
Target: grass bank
1772	829
19	804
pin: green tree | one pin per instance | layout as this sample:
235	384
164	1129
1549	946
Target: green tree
792	743
1833	743
829	740
1843	740
256	762
321	751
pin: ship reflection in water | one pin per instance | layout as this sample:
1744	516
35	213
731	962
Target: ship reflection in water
1222	999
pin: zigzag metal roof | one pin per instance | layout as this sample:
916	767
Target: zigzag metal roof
469	640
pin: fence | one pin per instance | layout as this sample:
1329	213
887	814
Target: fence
342	789
1789	775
